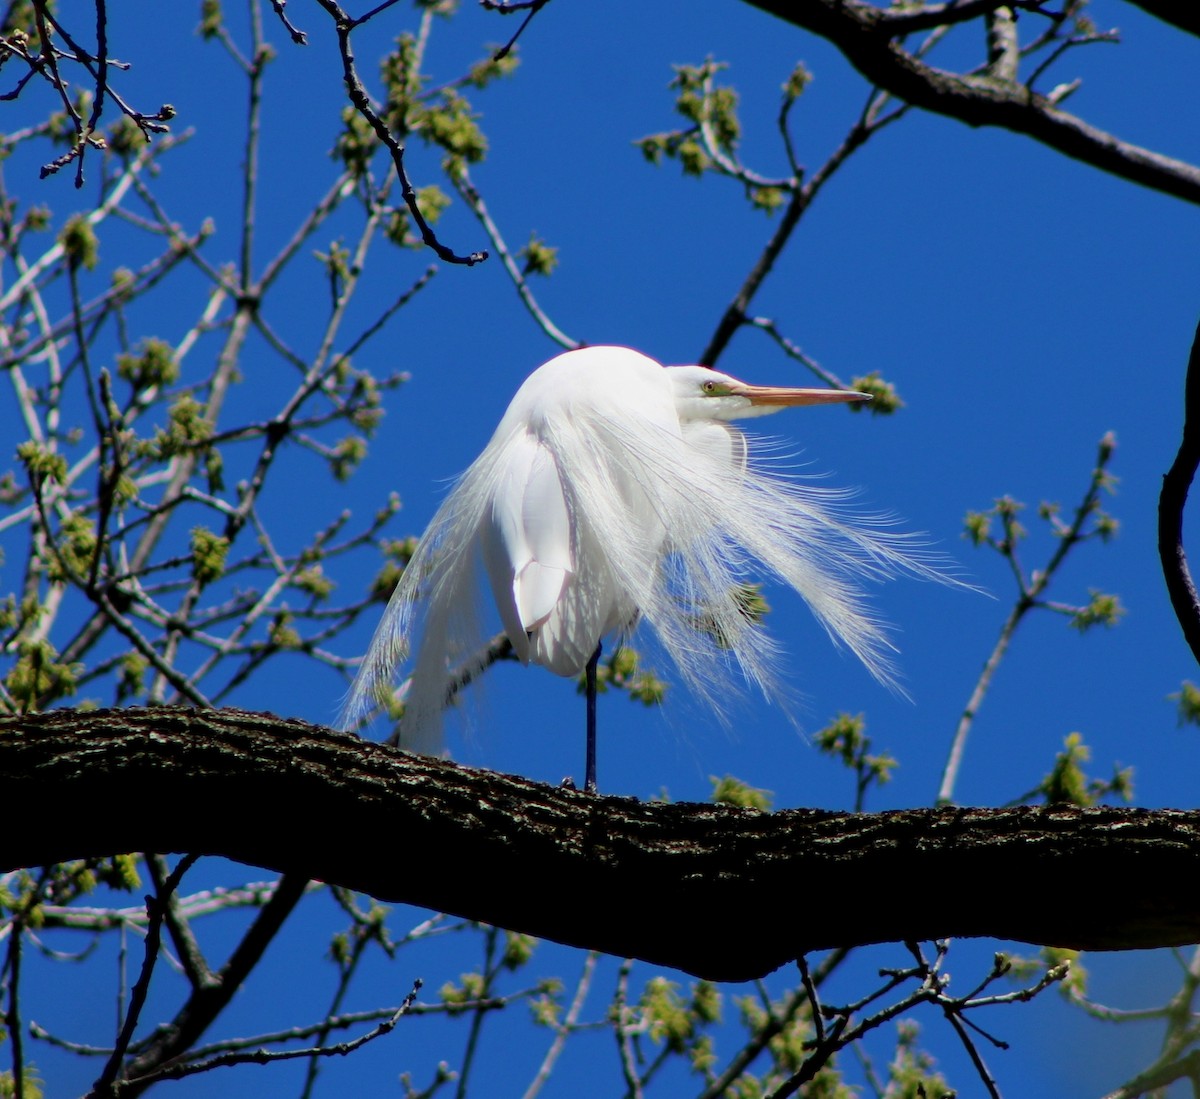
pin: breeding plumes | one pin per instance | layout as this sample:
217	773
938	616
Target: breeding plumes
614	492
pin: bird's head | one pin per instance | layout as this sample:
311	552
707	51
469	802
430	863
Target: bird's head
704	394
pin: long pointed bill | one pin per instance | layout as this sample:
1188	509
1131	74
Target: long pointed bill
774	396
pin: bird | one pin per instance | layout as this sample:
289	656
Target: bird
618	493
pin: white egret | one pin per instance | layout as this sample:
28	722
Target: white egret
616	490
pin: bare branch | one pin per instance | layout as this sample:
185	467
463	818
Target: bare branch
1030	592
156	908
207	1002
466	189
298	36
178	1070
864	36
737	312
508	7
362	103
1171	502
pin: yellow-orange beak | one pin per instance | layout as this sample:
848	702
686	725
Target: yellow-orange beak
775	396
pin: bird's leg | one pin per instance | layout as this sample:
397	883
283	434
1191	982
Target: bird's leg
589	782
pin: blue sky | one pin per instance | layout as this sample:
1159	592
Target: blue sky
1023	304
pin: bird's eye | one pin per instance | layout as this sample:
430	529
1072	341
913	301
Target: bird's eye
709	387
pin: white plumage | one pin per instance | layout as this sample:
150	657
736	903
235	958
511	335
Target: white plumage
614	491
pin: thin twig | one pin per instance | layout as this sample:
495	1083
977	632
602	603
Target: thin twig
466	189
263	1056
737	312
1029	596
564	1029
362	103
623	1032
156	908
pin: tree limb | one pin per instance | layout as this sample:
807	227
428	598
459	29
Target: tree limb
709	889
864	35
1171	502
1183	14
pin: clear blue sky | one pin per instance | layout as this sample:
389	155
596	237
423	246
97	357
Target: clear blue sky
1023	304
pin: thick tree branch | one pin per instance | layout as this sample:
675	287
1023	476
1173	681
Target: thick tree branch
864	34
1184	14
705	888
1171	501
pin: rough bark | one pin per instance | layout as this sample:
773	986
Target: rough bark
719	892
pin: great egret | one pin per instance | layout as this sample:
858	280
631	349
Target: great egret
617	490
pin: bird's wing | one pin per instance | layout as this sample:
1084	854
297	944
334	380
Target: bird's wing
526	540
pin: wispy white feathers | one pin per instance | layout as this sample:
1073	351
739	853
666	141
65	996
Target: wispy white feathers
615	491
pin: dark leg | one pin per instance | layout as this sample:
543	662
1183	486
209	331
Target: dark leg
589	782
